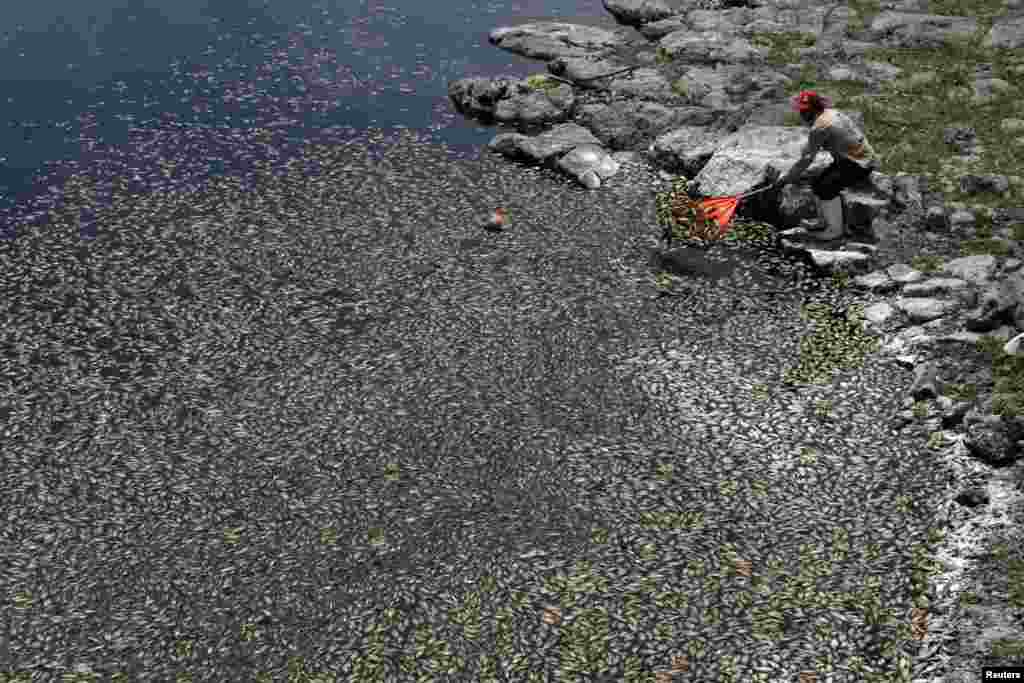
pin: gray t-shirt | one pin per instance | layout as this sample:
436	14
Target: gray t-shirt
835	132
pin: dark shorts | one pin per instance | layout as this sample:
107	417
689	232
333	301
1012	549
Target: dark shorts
841	174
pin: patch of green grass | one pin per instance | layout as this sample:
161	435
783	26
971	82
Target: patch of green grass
963	8
969	598
863	12
920	409
835	343
542	82
1015	572
840	279
961	392
990	345
977	247
15	677
983	225
1007	404
1008	374
791	119
926	264
925	565
749	231
1005	648
1004	561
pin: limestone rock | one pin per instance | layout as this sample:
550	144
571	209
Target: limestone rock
976	269
910	29
1006	32
684	150
935	285
924	386
992	444
589	164
639	12
552	39
924	309
710	47
627	125
973	497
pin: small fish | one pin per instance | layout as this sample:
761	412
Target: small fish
496	221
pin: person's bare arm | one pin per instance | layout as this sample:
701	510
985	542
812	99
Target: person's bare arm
815	140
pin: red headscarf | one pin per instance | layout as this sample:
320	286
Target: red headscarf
808	100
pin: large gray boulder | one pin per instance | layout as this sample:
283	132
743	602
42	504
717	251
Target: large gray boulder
629	124
568	147
477	97
746	157
587	67
659	29
646	83
535	106
724	86
512	101
825	19
866	203
545	148
908	29
552	39
994	443
710	47
1000	302
867	72
639	12
1006	32
733	20
685	150
975	269
589	164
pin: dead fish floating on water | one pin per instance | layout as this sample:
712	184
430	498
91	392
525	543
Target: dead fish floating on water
496	221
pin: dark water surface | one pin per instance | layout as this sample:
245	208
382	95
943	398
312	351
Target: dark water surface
116	91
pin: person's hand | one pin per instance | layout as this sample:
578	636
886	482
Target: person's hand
778	184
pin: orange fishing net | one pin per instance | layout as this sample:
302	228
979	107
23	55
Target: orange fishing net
705	219
720	210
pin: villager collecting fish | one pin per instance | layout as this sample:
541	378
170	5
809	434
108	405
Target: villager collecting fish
853	159
853	162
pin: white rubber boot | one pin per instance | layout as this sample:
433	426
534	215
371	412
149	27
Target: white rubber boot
831	211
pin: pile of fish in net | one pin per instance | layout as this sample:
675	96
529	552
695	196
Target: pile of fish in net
683	219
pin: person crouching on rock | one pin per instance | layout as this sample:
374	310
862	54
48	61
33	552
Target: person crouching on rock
853	159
